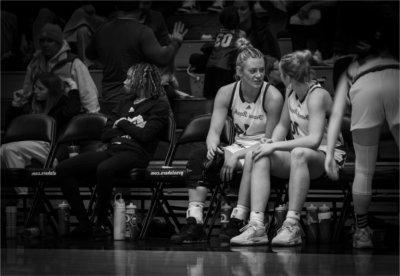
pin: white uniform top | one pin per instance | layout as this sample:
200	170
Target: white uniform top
299	121
250	119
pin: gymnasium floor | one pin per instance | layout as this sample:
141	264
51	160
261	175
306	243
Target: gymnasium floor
160	257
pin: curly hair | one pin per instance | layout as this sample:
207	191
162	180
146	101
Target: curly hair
145	78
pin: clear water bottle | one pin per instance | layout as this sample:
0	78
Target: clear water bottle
119	217
325	222
132	229
63	218
312	223
226	211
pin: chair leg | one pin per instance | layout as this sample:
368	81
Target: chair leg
150	213
33	208
343	216
51	212
215	215
171	214
211	205
92	203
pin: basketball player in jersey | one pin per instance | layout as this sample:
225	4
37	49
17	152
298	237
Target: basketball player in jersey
220	69
304	116
372	85
255	107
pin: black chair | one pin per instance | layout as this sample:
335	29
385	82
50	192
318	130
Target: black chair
29	127
82	130
196	131
139	177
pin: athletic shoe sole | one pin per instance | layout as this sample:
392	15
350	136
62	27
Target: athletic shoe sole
260	241
293	242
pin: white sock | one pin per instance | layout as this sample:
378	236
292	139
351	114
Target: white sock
293	216
195	210
257	217
240	212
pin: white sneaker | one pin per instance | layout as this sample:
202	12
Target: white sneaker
251	235
288	235
217	6
188	6
362	238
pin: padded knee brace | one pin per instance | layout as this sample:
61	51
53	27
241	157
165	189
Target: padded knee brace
364	169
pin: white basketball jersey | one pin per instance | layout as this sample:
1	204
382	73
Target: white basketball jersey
299	117
249	119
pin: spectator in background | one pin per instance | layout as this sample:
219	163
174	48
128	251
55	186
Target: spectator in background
80	28
55	57
51	97
131	134
255	25
122	42
190	6
220	69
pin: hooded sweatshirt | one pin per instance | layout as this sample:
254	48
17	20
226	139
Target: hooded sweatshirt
74	69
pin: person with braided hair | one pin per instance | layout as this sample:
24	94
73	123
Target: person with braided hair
132	134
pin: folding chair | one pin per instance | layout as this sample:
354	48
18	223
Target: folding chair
196	131
30	127
80	130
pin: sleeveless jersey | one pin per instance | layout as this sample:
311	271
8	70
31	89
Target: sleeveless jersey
299	118
249	119
224	51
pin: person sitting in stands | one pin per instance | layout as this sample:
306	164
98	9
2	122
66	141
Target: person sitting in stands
55	57
48	98
132	135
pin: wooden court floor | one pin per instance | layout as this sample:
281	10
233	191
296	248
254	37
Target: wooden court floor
159	257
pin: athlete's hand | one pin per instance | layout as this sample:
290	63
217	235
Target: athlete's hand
179	31
212	149
331	167
263	150
230	161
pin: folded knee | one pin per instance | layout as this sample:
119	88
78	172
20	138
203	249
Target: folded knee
298	155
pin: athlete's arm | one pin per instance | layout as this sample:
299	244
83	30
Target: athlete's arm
220	111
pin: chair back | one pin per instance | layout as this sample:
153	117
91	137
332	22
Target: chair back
27	127
197	130
84	127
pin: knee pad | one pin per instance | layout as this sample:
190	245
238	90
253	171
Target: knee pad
364	169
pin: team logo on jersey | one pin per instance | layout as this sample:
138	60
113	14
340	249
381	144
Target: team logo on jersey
248	107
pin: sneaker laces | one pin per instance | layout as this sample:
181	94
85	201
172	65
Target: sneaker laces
288	226
247	226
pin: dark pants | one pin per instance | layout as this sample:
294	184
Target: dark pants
200	175
105	165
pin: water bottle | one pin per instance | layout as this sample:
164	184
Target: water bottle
324	218
279	216
226	211
11	222
312	223
132	229
119	217
63	218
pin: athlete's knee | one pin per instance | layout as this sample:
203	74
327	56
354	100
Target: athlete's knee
298	156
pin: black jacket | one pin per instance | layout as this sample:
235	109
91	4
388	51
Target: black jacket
128	136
